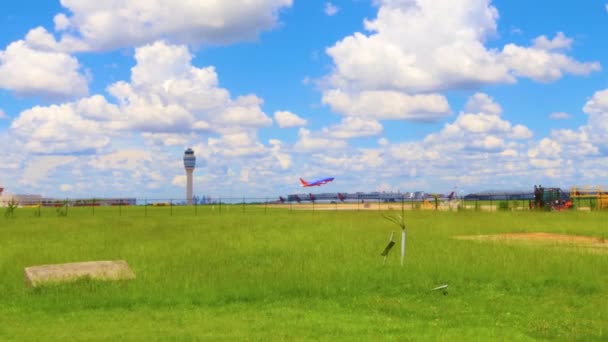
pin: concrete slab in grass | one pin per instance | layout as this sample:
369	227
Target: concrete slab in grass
59	273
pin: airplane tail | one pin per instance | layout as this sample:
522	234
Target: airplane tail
451	195
304	183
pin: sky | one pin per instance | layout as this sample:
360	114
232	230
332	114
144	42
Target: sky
101	98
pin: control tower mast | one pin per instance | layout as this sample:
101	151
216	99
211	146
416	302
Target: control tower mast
189	164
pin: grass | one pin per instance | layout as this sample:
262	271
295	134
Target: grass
280	275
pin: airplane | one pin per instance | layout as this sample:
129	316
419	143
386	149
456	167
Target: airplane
341	197
312	198
281	199
449	197
317	182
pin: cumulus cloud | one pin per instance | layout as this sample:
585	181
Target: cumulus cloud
482	103
417	48
27	71
388	105
353	127
166	100
559	42
596	128
287	119
39	168
167	94
238	144
61	128
284	159
309	142
543	65
90	25
483	129
127	159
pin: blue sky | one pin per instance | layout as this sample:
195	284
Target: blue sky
102	98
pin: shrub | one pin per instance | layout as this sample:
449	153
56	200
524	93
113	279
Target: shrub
503	205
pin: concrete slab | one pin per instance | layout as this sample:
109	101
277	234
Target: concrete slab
59	273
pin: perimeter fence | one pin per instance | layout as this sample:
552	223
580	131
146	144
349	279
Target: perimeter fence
219	206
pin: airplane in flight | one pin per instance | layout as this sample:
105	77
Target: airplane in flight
317	182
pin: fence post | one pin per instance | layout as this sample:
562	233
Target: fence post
170	207
195	209
120	208
67	204
145	207
243	204
265	205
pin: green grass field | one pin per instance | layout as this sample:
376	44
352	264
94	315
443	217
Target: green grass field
298	275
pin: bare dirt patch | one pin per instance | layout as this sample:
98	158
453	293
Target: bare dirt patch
588	242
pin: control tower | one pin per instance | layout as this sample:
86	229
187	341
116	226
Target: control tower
189	164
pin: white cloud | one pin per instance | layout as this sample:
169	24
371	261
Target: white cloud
238	144
432	45
598	104
127	159
245	111
62	22
330	9
542	65
59	129
167	100
168	139
559	42
100	25
169	95
482	103
27	71
308	142
387	105
353	127
284	159
560	116
288	119
597	125
39	168
546	148
483	129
